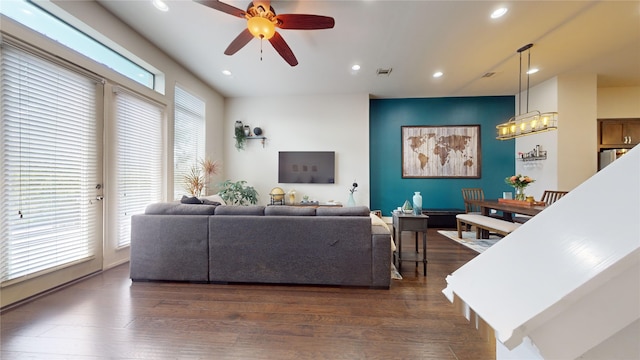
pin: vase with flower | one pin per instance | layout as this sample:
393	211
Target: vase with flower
351	201
519	183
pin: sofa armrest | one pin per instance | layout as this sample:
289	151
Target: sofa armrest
169	247
381	256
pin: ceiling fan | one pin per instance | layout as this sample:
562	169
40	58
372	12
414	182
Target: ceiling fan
262	21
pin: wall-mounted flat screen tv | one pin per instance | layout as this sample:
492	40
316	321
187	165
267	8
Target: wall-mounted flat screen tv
308	167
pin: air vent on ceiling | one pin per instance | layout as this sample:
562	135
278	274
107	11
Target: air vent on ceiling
382	72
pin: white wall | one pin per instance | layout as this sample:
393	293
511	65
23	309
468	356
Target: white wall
577	130
337	123
544	98
572	149
619	102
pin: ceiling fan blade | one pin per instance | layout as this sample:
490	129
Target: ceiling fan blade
283	49
304	22
220	6
239	42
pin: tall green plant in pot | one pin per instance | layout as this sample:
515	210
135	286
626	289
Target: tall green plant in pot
237	193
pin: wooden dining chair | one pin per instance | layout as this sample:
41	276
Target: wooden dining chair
548	197
551	196
471	194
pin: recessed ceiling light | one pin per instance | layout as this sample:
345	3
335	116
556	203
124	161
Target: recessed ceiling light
355	67
533	71
437	74
499	13
160	5
226	72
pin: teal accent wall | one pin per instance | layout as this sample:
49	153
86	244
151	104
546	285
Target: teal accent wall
389	190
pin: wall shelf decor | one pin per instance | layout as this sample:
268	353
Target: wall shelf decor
534	158
243	133
262	139
536	154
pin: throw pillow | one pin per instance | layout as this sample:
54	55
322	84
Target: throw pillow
190	200
209	202
215	198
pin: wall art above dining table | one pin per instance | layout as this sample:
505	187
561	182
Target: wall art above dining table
441	151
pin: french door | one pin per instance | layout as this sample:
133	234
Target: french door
51	218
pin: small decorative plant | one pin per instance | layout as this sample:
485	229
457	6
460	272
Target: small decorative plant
240	137
198	179
237	193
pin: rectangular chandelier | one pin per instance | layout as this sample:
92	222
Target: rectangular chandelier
527	124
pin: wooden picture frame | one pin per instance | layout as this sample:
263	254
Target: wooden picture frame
450	151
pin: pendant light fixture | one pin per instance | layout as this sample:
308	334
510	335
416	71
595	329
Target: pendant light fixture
531	122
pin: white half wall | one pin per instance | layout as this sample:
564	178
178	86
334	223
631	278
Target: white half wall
337	123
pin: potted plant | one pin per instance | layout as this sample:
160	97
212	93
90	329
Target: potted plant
240	137
237	193
197	181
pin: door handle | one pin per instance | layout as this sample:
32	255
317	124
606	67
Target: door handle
98	198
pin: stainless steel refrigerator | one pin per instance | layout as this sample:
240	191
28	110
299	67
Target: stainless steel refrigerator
609	156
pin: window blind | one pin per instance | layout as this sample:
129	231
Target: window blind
189	139
139	158
48	165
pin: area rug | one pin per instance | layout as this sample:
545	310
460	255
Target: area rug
469	240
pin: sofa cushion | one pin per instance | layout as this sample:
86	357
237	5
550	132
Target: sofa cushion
290	210
176	208
240	210
343	211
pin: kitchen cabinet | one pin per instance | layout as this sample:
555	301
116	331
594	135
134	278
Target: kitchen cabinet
618	133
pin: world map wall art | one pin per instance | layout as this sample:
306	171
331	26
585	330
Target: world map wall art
441	151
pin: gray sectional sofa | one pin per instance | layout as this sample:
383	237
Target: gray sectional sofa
258	244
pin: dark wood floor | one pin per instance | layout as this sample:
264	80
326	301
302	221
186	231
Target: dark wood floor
108	317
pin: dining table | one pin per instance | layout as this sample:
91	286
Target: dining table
508	208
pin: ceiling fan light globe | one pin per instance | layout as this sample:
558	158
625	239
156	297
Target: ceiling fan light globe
261	28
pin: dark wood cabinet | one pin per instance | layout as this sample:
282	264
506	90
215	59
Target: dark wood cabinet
618	133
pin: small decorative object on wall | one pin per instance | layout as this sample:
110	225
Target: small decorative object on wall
257	131
536	154
441	151
247	130
240	137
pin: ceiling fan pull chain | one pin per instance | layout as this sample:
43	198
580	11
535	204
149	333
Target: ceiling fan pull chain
261	48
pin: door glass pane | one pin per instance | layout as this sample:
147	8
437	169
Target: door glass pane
49	166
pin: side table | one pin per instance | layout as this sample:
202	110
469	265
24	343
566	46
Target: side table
415	223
